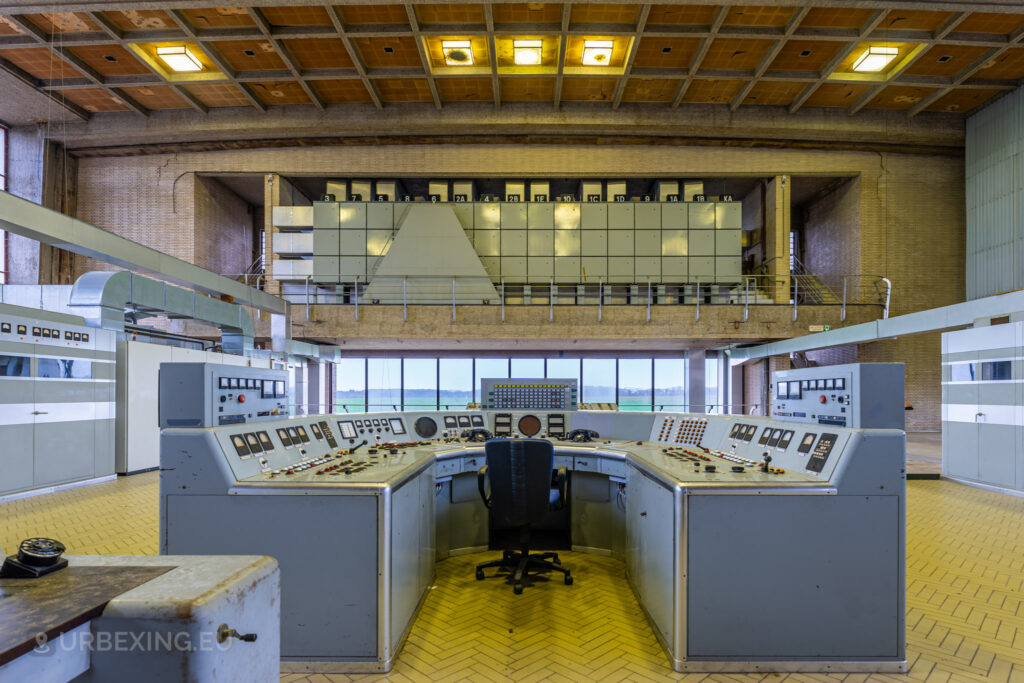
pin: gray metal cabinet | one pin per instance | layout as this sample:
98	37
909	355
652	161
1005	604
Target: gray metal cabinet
651	547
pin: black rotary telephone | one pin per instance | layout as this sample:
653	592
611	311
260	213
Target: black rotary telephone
36	557
478	435
582	435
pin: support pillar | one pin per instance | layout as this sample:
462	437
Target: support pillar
776	237
695	380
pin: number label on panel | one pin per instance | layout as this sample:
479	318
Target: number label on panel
620	197
673	198
540	197
700	198
512	198
435	198
356	198
593	197
381	197
727	198
460	198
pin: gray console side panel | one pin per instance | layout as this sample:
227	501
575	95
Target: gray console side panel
836	595
328	571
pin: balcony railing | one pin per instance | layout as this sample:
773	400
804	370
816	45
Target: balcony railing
748	290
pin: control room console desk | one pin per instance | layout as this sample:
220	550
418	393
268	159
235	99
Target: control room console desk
798	568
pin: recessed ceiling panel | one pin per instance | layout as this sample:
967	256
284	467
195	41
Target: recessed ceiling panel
341	90
527	89
157	97
805	55
683	15
319	53
588	89
454	13
366	15
899	97
141	20
599	13
403	89
218	17
297	16
650	90
837	17
836	94
465	89
963	100
63	22
110	60
249	55
527	13
40	62
95	99
740	15
712	91
735	53
945	60
774	93
670	53
219	95
991	22
1009	64
914	20
396	51
280	92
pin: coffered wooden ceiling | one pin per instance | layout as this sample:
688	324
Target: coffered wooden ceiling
952	57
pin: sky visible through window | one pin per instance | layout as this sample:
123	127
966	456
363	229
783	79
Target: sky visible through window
418	383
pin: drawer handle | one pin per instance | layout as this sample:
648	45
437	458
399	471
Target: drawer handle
583	462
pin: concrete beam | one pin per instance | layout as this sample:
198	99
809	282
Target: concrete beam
30	220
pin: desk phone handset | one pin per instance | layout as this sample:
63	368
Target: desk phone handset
478	435
582	435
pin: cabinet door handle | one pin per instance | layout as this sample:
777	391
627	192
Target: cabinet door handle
643	514
583	462
39	412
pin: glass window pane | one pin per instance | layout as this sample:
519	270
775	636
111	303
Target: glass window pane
384	377
456	382
564	368
350	385
996	371
528	368
962	372
420	384
489	367
670	384
598	380
15	366
635	389
711	398
64	369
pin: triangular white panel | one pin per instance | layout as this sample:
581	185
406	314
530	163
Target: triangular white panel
429	250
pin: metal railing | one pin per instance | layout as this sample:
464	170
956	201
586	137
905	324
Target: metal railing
745	290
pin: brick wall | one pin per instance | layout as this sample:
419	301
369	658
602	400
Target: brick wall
910	227
223	228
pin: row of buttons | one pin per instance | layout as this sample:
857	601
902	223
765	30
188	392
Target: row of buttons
46	332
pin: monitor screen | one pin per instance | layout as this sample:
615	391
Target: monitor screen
396	425
347	429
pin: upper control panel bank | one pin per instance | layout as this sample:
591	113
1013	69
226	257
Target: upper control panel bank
383	448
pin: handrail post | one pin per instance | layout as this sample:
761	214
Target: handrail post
648	298
503	300
746	298
551	302
405	301
600	299
796	292
308	278
697	285
355	296
453	299
888	293
843	316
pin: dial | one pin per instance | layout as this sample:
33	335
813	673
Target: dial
529	425
425	427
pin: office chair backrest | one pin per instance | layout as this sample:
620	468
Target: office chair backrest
520	475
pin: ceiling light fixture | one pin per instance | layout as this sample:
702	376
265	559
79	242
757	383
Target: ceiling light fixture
457	52
527	52
597	52
179	58
875	58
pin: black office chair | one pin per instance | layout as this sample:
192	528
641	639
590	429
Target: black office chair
521	495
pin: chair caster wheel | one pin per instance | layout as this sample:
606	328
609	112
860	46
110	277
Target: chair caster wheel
517	589
479	574
568	579
557	561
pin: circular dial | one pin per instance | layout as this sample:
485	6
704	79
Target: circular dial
529	425
425	427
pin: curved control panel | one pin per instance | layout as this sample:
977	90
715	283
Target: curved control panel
425	427
529	425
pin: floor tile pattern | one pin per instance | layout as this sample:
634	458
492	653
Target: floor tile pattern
965	596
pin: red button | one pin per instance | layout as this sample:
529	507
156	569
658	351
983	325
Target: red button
241	398
822	399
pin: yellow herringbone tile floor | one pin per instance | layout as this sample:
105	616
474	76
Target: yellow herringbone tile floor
965	596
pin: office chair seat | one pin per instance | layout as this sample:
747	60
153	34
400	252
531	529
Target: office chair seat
521	494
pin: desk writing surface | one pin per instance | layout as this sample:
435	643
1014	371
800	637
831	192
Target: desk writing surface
58	602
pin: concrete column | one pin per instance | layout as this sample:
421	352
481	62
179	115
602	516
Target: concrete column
25	180
735	373
271	198
695	380
776	236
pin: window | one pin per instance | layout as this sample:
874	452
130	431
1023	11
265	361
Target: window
598	380
564	368
383	384
62	368
455	386
15	366
488	367
635	386
996	371
419	384
350	385
670	384
528	367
